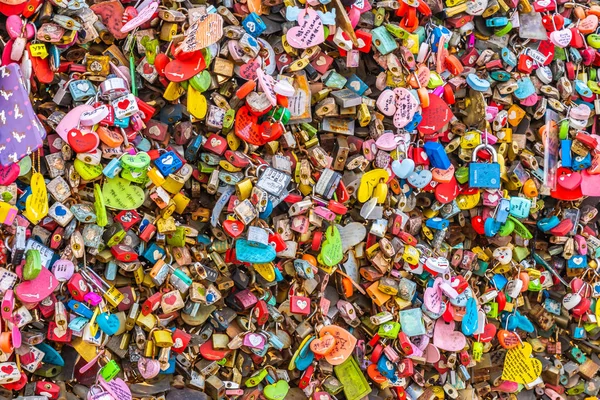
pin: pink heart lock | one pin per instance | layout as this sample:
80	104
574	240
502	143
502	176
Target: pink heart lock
117	388
14	27
561	38
310	31
570	181
406	107
267	84
446	338
433	297
581	112
386	142
71	120
37	289
432	354
530	100
148	367
386	102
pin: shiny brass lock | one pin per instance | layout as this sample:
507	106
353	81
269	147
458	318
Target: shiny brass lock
167	31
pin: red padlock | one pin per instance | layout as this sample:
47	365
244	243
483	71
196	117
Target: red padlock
78	287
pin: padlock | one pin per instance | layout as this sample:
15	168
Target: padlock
484	175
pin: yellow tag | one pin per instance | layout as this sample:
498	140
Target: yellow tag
37	202
196	103
38	50
266	271
86	350
520	367
598	312
99	206
467	201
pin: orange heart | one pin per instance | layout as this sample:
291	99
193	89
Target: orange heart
508	339
344	344
323	345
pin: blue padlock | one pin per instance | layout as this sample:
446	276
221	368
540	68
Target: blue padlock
437	223
412	125
545	224
356	84
577	262
580	163
484	175
582	88
575	55
386	367
502	211
477	83
508	57
153	253
525	88
565	153
81	90
191	151
254	25
122	122
491	227
437	34
168	163
437	155
499	281
113	168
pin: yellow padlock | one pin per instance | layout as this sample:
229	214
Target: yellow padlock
243	189
173	91
181	202
468	201
162	338
173	184
196	103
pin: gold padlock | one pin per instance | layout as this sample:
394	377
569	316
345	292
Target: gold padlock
167	31
162	338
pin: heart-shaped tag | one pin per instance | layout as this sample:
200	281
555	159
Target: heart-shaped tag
82	142
435	116
323	345
351	234
386	102
446	338
277	391
344	344
233	227
246	127
403	168
37	289
148	367
561	193
120	194
433	297
519	366
420	179
310	31
588	24
561	38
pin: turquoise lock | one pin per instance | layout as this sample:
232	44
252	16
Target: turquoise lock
383	40
525	88
582	89
470	320
477	83
386	367
411	321
520	206
545	224
491	227
508	57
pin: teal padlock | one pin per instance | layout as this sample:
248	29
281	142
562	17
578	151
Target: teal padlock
383	40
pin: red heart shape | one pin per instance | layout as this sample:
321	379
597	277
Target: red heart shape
553	22
489	332
569	180
269	131
446	192
7	369
233	227
170	300
562	193
580	309
123	104
435	116
246	127
82	142
478	224
148	69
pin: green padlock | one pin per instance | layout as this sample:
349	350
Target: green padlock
493	310
353	380
201	82
520	228
435	80
563	132
110	370
462	175
594	40
177	238
280	114
594	87
33	265
397	31
389	330
507	228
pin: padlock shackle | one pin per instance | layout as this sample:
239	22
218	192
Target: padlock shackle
488	148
